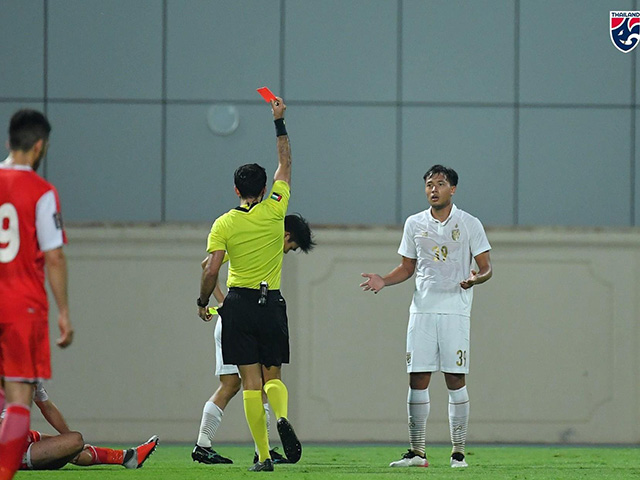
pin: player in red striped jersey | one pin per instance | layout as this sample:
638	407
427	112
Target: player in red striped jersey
31	238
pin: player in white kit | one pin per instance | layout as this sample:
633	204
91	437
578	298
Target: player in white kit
440	245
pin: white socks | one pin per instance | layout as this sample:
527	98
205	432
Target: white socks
458	418
418	406
268	415
211	419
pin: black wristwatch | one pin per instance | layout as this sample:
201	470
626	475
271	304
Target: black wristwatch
201	305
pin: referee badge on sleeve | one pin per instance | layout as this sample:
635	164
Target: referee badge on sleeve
276	196
408	358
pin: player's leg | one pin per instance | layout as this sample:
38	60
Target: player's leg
130	458
422	359
254	410
275	456
278	396
54	452
242	315
228	374
267	410
15	426
213	409
454	343
212	414
276	391
25	356
274	351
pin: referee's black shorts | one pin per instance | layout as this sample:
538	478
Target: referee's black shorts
253	333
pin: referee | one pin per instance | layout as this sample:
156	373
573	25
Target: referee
255	334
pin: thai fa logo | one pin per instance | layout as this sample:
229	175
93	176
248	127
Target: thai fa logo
625	30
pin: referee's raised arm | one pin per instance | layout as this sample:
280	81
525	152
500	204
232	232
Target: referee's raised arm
283	171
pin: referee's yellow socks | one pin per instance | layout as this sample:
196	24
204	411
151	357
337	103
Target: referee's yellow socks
257	421
278	396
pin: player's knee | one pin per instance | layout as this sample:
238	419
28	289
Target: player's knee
229	390
76	442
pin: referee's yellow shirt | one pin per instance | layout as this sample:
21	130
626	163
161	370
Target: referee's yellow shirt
253	237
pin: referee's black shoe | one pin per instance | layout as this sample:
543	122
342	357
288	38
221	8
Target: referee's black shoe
275	456
290	443
266	466
208	455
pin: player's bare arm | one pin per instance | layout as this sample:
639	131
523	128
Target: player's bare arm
53	416
56	266
283	172
483	274
402	272
209	281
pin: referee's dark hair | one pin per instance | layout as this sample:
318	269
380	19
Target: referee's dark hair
250	179
449	173
299	231
26	128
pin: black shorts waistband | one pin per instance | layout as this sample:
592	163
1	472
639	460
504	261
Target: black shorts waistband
250	290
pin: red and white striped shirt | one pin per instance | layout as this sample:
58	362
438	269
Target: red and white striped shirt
30	224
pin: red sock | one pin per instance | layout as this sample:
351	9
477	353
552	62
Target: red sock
109	456
1	399
13	439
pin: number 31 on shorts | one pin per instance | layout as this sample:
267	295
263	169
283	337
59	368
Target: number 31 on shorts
462	358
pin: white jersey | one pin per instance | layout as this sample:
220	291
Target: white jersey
444	252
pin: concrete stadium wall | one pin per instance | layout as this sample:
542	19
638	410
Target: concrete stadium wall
555	339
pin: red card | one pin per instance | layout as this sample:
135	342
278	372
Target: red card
266	94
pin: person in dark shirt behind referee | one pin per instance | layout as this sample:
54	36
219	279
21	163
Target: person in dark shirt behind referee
255	334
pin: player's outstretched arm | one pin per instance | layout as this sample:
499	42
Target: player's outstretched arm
283	172
56	265
484	273
402	272
53	416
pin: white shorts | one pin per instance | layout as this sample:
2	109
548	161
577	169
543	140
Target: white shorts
221	368
437	342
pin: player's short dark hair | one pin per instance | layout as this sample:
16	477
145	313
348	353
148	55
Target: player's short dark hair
449	173
250	179
26	128
299	231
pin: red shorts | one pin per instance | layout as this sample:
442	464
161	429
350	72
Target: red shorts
24	351
32	437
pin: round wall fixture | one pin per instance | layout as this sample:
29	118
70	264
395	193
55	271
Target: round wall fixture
223	119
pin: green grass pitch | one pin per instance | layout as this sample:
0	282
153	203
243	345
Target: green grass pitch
363	462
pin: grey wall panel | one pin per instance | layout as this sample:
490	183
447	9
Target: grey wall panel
7	109
344	164
200	164
574	167
458	51
106	161
223	49
636	168
103	49
343	172
22	52
566	54
476	142
337	58
341	50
